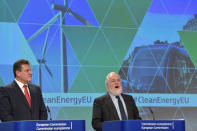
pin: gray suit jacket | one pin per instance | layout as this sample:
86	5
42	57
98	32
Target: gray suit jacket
104	110
14	106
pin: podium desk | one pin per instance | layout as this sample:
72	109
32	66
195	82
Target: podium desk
145	125
54	125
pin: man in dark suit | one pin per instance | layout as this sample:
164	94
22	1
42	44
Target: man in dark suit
21	100
114	105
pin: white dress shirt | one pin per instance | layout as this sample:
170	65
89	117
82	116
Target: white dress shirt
22	88
115	101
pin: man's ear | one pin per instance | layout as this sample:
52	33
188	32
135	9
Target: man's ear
107	84
17	73
107	87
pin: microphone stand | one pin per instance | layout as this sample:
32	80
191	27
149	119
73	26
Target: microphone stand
49	112
151	111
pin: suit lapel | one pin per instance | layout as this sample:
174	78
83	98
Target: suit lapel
112	107
20	94
128	106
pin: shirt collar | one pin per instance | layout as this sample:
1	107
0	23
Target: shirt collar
20	84
113	96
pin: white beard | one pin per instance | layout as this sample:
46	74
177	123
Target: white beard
115	91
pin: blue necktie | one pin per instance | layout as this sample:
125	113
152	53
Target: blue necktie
122	112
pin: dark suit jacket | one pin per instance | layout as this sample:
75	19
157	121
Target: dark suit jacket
14	106
104	110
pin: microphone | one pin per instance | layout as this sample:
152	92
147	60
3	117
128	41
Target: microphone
151	111
49	112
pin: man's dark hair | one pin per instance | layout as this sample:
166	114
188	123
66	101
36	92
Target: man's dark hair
18	64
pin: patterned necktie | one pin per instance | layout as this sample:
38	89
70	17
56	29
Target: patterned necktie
27	95
121	108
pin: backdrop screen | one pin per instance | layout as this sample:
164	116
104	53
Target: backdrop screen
72	45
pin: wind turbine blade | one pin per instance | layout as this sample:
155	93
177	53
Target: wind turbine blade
48	70
80	18
51	21
45	43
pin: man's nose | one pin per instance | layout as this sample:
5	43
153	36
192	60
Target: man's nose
117	82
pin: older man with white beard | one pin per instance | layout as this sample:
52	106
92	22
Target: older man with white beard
113	105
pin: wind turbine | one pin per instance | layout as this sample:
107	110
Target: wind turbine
65	9
64	73
42	61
